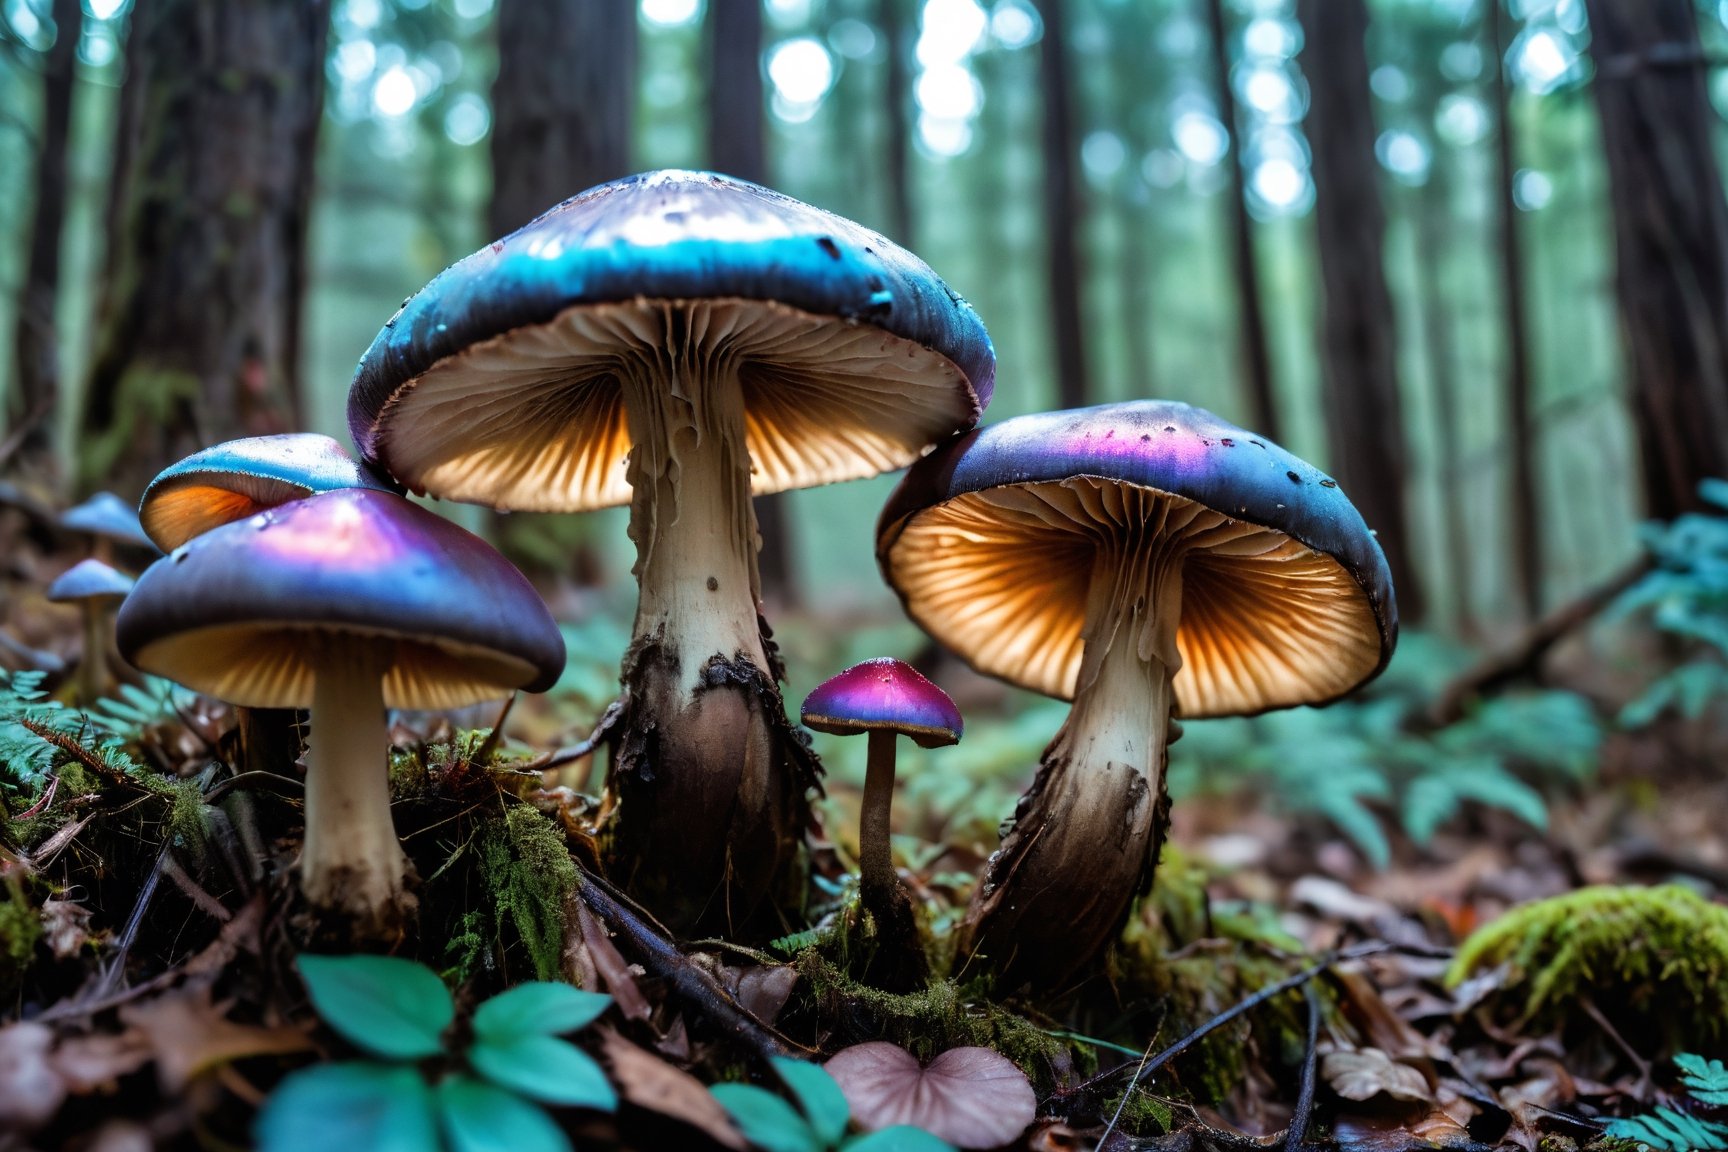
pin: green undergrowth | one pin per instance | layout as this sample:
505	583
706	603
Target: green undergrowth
1654	961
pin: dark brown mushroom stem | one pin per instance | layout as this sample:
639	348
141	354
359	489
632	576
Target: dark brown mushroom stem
875	857
707	777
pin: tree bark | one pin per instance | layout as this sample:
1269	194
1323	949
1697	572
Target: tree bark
1063	211
562	103
36	395
200	335
1250	317
738	146
1364	412
1671	240
896	168
1526	529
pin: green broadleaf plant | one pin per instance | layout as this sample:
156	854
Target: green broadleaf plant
1671	1130
399	1012
819	1122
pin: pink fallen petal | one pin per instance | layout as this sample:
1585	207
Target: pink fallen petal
970	1097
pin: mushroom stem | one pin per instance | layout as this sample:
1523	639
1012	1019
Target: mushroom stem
1086	835
875	858
351	864
93	664
709	805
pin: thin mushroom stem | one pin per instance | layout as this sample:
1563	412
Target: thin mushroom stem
93	665
351	863
875	857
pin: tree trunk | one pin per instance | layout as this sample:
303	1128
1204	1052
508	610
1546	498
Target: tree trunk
1250	319
200	335
896	143
36	395
562	103
1671	240
1062	211
1358	348
562	111
738	146
1522	522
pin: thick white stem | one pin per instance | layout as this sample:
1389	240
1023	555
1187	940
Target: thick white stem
352	863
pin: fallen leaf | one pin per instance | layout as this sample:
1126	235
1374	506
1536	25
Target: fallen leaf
1369	1072
970	1097
619	977
65	926
763	991
188	1035
30	1090
95	1063
650	1082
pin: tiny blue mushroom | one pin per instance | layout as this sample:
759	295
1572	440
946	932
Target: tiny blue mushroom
93	586
678	341
240	478
108	520
1129	557
345	602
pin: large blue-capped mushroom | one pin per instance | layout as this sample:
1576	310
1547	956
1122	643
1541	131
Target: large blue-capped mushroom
1138	559
345	603
678	341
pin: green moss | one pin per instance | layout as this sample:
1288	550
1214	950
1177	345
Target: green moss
1142	1115
20	932
530	877
941	1017
1641	955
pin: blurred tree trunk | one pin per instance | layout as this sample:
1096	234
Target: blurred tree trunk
897	141
738	146
562	112
1364	416
1520	430
1671	240
36	394
1063	210
1250	318
200	333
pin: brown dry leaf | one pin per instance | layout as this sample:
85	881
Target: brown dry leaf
30	1089
650	1082
970	1097
188	1035
620	978
763	991
1402	1130
65	926
96	1062
1369	1072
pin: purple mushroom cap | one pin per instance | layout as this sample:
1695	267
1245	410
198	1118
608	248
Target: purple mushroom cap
240	478
884	694
499	382
1302	624
239	611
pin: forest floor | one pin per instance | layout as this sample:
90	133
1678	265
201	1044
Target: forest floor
150	934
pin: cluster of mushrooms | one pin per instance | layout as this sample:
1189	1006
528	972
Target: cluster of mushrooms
681	341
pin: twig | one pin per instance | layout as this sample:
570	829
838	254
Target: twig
1524	654
205	902
1149	1066
1638	1061
41	804
1305	1095
571	753
490	745
267	781
687	981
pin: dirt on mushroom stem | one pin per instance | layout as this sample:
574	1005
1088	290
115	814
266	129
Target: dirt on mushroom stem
1085	837
708	778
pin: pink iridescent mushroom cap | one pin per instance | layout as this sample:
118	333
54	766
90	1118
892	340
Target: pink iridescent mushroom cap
884	694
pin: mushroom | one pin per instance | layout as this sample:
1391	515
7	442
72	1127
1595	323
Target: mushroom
232	481
885	698
970	1097
1133	558
677	341
345	603
240	478
107	520
94	587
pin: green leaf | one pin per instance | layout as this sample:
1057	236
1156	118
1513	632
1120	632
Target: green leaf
899	1138
1706	1080
380	1107
766	1120
390	1007
538	1008
544	1068
1669	1130
481	1118
823	1103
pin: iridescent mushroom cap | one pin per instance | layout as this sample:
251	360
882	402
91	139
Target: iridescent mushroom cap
883	694
108	516
240	478
989	542
89	580
498	383
239	611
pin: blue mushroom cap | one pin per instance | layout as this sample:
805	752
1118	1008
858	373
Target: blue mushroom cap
241	611
89	580
240	478
1258	630
105	514
489	372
